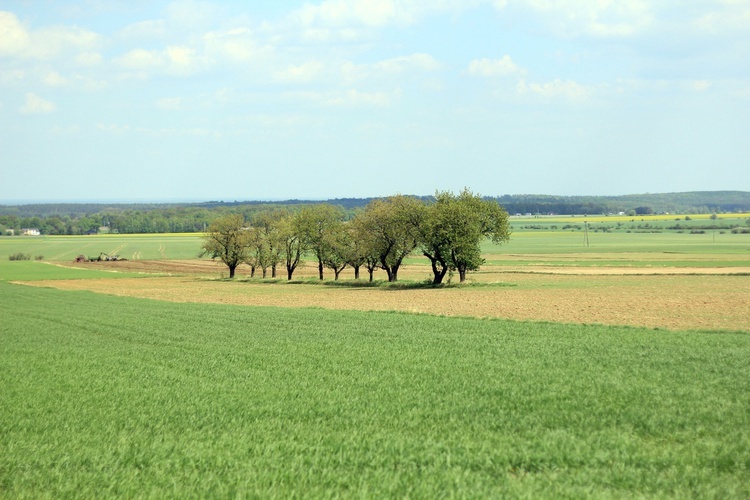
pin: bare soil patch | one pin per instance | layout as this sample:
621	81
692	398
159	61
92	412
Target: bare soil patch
676	301
204	267
174	267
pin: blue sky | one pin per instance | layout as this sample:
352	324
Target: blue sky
190	100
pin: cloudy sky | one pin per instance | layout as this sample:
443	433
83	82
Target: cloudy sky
191	100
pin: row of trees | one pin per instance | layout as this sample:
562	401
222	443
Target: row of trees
448	232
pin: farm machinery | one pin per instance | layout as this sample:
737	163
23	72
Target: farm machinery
103	257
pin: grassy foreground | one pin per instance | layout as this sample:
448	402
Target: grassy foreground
109	396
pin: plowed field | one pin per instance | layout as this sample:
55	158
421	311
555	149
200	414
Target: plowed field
681	298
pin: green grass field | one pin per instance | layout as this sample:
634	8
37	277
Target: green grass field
106	396
128	246
33	270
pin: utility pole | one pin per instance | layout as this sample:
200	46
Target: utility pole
585	233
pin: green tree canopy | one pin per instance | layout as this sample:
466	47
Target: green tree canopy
454	228
288	240
227	239
314	223
391	229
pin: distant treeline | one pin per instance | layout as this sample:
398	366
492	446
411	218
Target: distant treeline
699	202
86	218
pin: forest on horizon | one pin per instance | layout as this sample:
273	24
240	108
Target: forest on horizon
87	218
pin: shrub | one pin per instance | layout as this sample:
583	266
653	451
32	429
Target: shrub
19	256
39	257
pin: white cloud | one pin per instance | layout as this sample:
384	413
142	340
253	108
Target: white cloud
89	59
235	45
191	13
54	79
330	35
376	13
49	42
45	43
700	85
345	12
352	73
140	60
75	81
495	67
14	39
597	18
12	76
182	60
423	62
169	103
36	105
145	30
556	88
302	73
728	16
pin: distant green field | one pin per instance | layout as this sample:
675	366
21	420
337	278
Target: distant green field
116	397
33	270
128	246
544	242
605	249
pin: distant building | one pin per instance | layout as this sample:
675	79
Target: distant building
30	231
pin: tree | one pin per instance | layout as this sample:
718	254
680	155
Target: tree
256	254
364	252
437	234
390	228
339	248
455	226
289	242
313	224
228	239
269	252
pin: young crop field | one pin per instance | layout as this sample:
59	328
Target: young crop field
115	396
618	369
128	246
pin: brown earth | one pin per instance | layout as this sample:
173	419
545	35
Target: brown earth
676	298
488	272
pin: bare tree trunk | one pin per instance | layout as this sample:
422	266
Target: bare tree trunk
462	274
264	272
356	272
231	271
439	274
371	271
252	271
273	271
388	272
320	268
439	268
